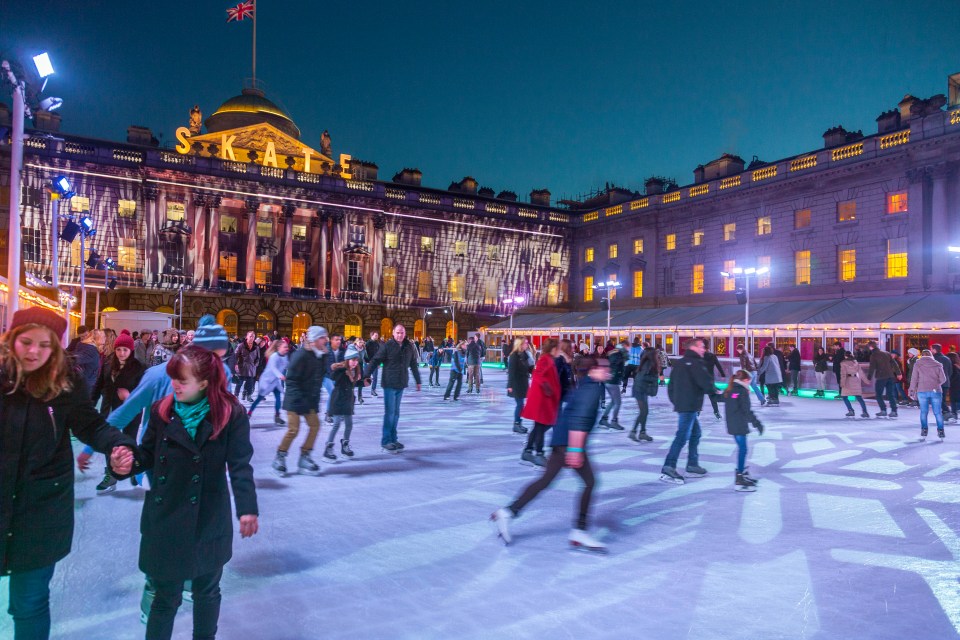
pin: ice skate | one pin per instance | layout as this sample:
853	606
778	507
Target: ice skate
580	539
390	447
526	458
864	415
670	475
643	437
519	428
716	414
881	414
746	474
633	435
501	518
893	415
851	414
328	454
108	484
696	471
923	434
306	466
604	422
399	446
280	464
744	484
941	434
278	420
616	426
540	460
345	448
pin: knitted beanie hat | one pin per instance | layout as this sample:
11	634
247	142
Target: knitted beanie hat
351	353
314	333
42	317
212	337
124	340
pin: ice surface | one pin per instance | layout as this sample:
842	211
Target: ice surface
846	536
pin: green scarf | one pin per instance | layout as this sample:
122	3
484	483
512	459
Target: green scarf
191	415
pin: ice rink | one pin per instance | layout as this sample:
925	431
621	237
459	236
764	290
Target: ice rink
852	534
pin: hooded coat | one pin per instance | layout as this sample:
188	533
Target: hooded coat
543	398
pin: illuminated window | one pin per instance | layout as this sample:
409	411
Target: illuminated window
227	318
730	231
671	241
638	284
266	322
588	254
897	202
897	258
175	211
424	284
556	260
588	289
299	232
228	266
846	210
79	204
460	248
493	252
763	279
426	244
801	218
298	274
553	294
127	254
263	271
847	264
301	322
456	288
228	224
389	281
698	237
613	250
729	284
75	259
491	288
696	285
801	265
764	226
352	326
126	208
637	245
264	229
386	327
391	240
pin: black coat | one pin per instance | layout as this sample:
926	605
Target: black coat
689	382
780	359
647	379
712	363
617	363
246	360
187	524
304	381
36	473
568	381
398	360
107	386
794	360
738	413
518	374
341	400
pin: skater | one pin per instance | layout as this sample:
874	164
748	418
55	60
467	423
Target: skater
568	448
883	374
302	399
820	362
618	360
271	380
748	364
473	351
564	362
519	366
837	357
195	435
455	381
644	387
689	382
543	402
346	375
633	362
772	375
794	366
399	358
926	382
45	403
370	350
850	385
436	359
739	416
713	363
246	359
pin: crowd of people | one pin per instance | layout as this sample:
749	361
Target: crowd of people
170	410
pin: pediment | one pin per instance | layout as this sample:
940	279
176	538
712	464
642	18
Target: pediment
257	136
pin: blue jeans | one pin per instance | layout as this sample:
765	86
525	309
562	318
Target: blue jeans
927	400
30	603
517	410
886	385
863	405
688	428
373	379
328	386
391	414
741	441
756	387
276	401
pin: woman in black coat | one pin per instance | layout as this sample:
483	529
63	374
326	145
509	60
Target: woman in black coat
194	435
739	417
645	385
518	379
246	360
42	402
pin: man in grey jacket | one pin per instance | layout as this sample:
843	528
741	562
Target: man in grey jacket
926	381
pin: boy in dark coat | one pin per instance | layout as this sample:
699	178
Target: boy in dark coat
739	417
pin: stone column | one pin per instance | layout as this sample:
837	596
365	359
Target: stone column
151	244
375	264
213	255
939	227
161	219
916	207
250	264
197	245
288	211
337	244
315	255
323	255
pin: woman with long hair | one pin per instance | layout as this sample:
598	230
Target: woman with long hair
42	403
772	374
645	386
543	402
739	418
271	380
195	435
519	365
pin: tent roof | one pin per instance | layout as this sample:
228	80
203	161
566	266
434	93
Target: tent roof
942	307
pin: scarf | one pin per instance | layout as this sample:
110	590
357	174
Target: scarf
191	415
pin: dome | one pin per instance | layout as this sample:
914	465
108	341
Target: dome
247	109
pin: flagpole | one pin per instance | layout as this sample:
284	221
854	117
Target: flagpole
254	44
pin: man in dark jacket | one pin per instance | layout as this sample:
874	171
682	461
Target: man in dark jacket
713	364
373	345
86	359
246	360
473	364
398	356
689	382
938	355
618	362
881	371
839	355
794	366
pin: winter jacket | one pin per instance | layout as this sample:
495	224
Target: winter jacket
712	363
662	360
618	361
820	362
36	472
456	362
86	361
543	397
851	383
770	370
635	352
738	413
781	361
518	374
398	359
304	381
927	375
881	365
436	357
270	378
187	520
247	359
947	365
143	351
161	355
108	387
370	349
689	382
579	413
747	363
566	377
341	399
793	361
837	359
428	346
473	353
647	380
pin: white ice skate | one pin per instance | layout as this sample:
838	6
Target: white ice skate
580	539
501	518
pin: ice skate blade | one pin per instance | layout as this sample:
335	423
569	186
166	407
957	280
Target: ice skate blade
577	546
742	489
112	487
308	472
669	480
329	461
279	474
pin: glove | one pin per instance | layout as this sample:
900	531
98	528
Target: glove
759	427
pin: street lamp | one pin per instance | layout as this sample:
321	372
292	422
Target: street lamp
609	286
746	274
86	231
514	304
453	313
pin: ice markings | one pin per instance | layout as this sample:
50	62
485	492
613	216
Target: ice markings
761	519
855	515
764	454
809	446
812	462
854	482
882	466
944	492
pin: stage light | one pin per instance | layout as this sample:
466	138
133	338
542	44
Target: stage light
70	231
62	185
51	103
112	284
111	263
43	64
94	260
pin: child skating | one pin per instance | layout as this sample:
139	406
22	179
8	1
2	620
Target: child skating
739	418
851	385
346	375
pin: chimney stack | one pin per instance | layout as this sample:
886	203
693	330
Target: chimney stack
540	196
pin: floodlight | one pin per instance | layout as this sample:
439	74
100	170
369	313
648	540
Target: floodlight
51	103
519	300
112	284
763	270
94	260
953	249
62	185
70	231
725	274
111	263
86	223
43	64
429	313
750	270
738	270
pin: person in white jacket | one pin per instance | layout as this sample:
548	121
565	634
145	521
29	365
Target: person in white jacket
271	380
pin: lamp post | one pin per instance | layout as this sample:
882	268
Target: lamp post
609	286
746	274
514	303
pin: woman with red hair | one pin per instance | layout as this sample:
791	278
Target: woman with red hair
194	435
543	402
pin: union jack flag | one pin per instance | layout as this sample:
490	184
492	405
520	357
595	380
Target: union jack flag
241	11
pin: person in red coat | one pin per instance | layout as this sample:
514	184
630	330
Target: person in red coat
543	402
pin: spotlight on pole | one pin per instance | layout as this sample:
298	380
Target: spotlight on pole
43	64
86	223
70	231
63	187
94	260
112	284
51	103
111	263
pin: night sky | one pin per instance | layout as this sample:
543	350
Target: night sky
520	95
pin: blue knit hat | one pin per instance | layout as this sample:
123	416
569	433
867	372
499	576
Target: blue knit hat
212	337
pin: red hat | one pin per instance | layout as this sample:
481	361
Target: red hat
124	340
42	317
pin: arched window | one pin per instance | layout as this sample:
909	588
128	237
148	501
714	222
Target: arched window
418	330
227	318
353	326
108	309
386	327
164	309
266	322
301	322
452	330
